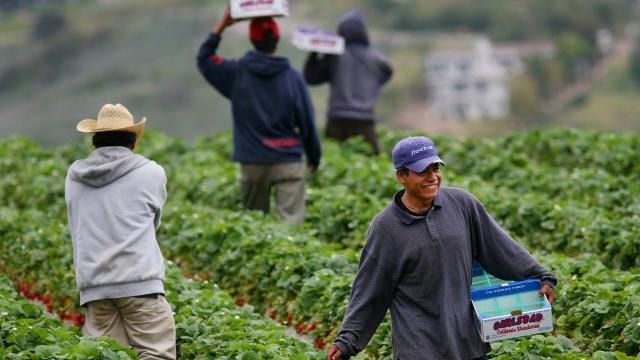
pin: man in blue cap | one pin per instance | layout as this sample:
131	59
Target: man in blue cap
417	263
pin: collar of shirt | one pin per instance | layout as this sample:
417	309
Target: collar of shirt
405	215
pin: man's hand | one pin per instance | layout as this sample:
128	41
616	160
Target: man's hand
549	291
226	20
312	168
334	353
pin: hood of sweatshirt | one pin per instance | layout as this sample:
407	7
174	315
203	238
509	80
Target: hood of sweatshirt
105	165
265	65
353	28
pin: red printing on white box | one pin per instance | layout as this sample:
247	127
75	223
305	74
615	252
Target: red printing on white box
512	326
241	9
318	40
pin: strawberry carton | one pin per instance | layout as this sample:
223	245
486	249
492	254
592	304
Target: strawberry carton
480	278
243	9
511	310
318	40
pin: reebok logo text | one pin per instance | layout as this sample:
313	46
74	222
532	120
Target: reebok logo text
424	148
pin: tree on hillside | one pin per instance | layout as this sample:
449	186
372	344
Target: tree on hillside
9	6
505	20
525	101
49	25
549	75
634	63
575	52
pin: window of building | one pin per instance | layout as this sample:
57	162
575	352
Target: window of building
460	86
482	85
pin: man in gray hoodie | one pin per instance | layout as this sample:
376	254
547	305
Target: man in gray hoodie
355	77
417	263
114	203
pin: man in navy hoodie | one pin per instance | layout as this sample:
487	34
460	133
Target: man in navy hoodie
273	118
356	78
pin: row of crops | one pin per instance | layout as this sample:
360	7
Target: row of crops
569	196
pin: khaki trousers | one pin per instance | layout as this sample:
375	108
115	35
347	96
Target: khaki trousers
145	324
256	181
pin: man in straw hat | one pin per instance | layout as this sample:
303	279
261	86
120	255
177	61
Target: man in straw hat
114	202
273	118
417	263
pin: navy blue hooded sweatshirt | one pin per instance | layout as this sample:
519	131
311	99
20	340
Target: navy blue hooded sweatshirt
355	76
273	117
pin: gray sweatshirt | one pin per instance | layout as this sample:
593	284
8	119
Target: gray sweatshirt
355	76
114	203
420	267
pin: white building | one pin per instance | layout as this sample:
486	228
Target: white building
471	84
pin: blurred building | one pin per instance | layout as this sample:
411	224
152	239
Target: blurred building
471	84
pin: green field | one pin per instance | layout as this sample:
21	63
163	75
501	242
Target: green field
566	195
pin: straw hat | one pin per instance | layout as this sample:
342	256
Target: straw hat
112	118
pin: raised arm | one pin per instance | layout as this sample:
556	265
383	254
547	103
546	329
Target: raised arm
219	72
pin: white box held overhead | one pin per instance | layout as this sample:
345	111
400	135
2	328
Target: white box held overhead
318	40
242	9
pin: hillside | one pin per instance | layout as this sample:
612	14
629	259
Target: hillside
611	105
141	53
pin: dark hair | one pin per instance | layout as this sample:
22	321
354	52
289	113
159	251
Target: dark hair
403	170
268	45
113	138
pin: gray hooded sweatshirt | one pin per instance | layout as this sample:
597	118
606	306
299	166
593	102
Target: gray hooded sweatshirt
114	203
355	76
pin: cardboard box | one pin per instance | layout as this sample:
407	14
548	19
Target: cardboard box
511	310
318	40
242	9
480	278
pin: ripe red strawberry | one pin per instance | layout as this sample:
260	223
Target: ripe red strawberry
311	327
320	344
46	299
301	327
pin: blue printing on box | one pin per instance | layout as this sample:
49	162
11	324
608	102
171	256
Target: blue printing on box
507	289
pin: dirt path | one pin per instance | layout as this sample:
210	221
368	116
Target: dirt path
565	96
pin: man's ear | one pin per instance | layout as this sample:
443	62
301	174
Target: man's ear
400	176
